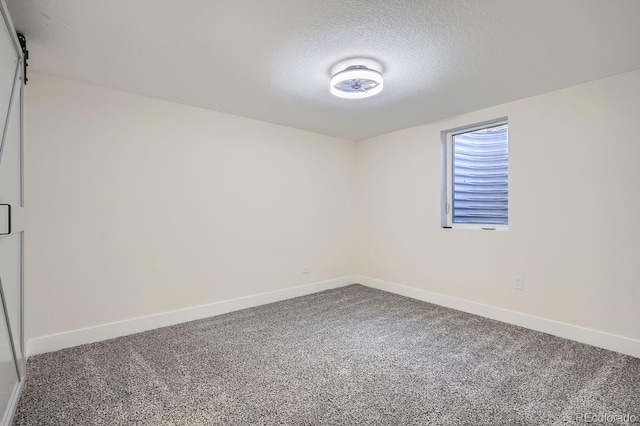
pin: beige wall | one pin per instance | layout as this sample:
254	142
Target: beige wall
138	206
574	197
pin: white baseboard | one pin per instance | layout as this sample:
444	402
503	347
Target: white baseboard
82	336
98	333
591	337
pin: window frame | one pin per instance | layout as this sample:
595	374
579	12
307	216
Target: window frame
447	167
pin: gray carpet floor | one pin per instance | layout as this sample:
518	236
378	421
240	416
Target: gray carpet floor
349	356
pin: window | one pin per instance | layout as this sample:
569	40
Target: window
475	176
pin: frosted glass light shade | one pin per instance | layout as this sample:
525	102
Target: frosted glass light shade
356	82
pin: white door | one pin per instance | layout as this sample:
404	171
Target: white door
11	217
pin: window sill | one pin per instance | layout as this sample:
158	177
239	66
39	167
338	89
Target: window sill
477	227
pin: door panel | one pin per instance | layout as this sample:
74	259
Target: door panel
10	161
8	67
8	374
10	251
11	245
11	332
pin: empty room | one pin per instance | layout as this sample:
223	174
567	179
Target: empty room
299	212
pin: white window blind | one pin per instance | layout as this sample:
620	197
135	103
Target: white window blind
480	176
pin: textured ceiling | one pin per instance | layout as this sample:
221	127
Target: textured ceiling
271	59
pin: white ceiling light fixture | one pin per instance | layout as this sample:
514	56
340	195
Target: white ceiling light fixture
356	79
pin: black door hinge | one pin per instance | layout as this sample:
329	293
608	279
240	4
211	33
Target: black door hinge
25	53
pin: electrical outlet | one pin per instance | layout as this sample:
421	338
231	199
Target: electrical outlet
518	282
306	270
